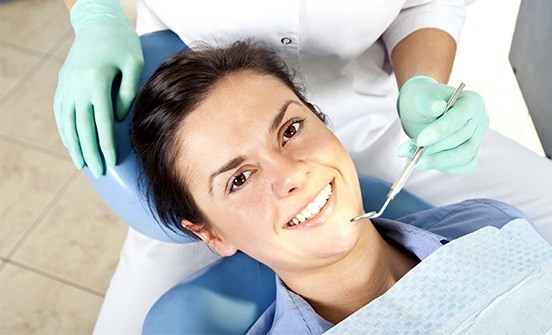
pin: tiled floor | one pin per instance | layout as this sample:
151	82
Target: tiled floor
59	242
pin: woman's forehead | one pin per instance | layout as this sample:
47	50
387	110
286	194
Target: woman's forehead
238	98
238	113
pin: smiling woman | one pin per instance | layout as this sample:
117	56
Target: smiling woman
176	89
234	154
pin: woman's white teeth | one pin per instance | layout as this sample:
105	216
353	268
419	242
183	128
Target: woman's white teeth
314	207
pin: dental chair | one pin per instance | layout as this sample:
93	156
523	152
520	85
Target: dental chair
228	296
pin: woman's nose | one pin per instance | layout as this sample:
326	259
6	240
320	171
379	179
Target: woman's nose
289	177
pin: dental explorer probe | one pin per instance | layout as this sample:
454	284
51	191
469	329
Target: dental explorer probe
409	167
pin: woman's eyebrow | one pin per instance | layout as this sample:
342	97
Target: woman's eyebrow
235	162
280	116
232	164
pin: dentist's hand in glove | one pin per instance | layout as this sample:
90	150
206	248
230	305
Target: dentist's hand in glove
105	46
452	140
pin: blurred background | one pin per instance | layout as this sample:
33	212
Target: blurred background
59	244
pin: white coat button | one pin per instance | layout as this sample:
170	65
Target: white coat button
286	40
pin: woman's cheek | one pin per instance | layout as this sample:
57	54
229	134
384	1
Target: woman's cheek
253	209
326	148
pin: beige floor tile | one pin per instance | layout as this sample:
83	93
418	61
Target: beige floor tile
79	240
63	49
35	24
33	304
29	181
29	114
13	67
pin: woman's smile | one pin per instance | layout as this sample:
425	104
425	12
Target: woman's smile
316	212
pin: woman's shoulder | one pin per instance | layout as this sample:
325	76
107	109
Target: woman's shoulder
459	219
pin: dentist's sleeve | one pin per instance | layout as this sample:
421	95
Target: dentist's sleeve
446	15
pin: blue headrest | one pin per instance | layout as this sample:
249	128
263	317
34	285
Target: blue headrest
226	298
118	187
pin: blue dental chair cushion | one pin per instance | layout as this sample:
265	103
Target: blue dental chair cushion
118	186
229	296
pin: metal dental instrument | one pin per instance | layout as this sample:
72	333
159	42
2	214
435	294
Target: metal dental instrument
407	170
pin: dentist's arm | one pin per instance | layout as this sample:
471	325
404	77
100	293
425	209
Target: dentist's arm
105	46
423	63
425	52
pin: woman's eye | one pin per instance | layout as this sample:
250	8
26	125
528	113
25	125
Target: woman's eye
240	180
291	130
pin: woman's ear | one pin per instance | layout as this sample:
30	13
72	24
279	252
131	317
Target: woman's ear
207	235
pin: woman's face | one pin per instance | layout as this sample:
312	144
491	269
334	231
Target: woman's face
270	177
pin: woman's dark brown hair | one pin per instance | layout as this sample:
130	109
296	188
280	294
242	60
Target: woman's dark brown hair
175	89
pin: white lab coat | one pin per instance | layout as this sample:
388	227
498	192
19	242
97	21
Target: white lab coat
341	51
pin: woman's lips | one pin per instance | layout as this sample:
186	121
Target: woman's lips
314	210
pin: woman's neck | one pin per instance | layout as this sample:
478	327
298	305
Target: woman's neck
367	272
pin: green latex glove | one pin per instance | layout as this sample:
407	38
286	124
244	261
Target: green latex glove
452	140
105	46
